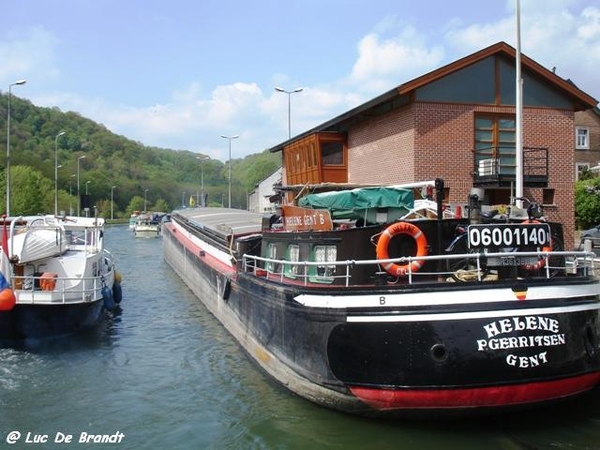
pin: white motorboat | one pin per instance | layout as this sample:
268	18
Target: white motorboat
59	274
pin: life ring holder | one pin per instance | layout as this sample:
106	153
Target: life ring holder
382	250
542	261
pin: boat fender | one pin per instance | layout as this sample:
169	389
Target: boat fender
109	301
383	243
7	299
117	292
117	278
541	262
226	289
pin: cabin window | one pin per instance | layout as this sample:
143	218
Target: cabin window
272	254
324	273
332	153
582	138
293	256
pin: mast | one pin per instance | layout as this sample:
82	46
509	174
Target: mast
519	112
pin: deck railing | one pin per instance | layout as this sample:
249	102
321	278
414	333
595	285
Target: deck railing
65	290
571	263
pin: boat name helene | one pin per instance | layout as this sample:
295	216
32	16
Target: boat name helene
498	327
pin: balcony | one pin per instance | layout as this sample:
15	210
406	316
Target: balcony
496	167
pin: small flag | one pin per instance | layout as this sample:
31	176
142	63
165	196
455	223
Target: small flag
520	292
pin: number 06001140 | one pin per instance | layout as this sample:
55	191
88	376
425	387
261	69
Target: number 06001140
509	235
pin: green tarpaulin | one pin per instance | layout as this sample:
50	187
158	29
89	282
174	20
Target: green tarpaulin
358	203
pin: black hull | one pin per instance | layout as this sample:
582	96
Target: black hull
431	358
43	321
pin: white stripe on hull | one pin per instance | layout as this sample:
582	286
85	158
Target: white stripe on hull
467	296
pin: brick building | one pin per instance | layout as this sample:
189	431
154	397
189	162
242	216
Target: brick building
457	123
587	140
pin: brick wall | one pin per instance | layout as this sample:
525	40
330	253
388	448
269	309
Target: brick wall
381	150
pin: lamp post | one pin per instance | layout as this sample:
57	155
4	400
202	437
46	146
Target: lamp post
201	159
145	193
112	202
289	94
56	171
229	138
16	83
71	194
183	199
78	195
87	208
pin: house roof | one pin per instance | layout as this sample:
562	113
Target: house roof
400	95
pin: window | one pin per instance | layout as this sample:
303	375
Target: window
332	153
324	273
272	254
293	270
495	139
548	197
582	138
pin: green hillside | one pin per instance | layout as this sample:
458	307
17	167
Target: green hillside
165	177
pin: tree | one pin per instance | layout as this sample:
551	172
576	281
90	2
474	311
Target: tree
136	204
31	193
587	202
161	206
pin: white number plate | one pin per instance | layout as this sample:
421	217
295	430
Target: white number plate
522	235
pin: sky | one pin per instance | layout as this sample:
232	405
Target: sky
180	74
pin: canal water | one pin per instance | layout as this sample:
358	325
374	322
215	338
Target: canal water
164	374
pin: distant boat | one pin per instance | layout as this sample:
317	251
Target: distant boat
59	277
147	225
364	301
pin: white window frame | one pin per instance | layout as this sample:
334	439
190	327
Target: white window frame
582	138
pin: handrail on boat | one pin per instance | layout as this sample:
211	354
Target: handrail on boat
574	261
84	289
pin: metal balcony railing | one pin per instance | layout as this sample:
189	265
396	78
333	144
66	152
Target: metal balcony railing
497	166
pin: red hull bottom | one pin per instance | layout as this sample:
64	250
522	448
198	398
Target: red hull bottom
497	396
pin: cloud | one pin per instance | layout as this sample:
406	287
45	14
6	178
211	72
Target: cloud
28	53
383	63
554	33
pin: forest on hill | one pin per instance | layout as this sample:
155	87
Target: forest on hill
108	165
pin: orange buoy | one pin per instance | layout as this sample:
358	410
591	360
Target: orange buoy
382	249
7	299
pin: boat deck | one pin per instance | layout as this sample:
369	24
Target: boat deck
223	222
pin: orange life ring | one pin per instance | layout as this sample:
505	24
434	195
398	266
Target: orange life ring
542	261
383	247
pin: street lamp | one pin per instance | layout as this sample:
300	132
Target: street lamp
71	194
229	138
16	83
183	199
112	202
87	208
145	193
202	159
56	171
78	195
289	94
